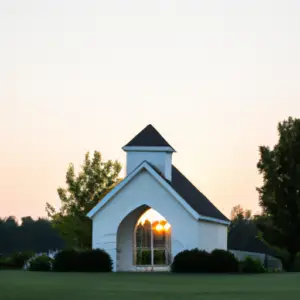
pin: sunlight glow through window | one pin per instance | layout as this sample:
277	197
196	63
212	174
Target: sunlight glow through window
152	216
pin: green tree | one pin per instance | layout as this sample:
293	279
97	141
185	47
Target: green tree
83	192
280	192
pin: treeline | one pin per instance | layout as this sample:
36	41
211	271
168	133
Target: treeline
30	235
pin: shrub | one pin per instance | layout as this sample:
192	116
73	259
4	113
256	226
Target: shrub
94	261
251	265
84	261
19	258
222	261
15	260
6	263
40	263
191	261
66	261
296	266
198	261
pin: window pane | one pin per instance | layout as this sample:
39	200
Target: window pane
159	239
143	257
143	236
159	257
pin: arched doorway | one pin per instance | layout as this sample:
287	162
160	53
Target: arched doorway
144	241
152	240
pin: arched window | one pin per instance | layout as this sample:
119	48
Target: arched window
152	240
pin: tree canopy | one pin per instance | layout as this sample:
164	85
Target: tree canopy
29	235
280	193
84	190
238	214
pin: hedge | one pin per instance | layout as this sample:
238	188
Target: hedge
40	263
15	260
200	261
222	261
66	261
82	261
191	261
251	265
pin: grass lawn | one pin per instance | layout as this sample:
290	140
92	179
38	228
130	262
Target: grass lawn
18	285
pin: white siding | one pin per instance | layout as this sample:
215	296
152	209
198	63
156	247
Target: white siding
161	160
143	189
212	236
130	202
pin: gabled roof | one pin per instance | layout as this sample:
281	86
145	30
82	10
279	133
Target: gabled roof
244	237
183	191
194	197
148	137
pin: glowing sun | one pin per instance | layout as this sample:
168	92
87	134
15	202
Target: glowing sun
152	216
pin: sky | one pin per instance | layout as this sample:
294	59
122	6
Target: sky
214	77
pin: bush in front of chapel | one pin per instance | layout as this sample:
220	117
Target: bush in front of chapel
200	261
82	261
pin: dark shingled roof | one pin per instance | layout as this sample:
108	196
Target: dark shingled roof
244	237
149	137
193	196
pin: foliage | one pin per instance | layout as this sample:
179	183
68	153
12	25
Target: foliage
238	213
15	260
40	263
66	261
296	265
83	192
6	263
222	261
280	192
19	258
191	261
251	265
82	261
94	261
28	236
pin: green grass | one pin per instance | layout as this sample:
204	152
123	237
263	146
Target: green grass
18	285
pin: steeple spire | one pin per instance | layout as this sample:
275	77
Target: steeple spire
148	137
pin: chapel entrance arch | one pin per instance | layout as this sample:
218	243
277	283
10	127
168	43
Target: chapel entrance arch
144	241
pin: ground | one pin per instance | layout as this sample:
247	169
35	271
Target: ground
20	285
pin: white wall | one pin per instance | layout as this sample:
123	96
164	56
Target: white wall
186	231
143	190
212	236
162	160
125	239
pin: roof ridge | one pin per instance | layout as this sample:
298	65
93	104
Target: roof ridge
148	137
196	199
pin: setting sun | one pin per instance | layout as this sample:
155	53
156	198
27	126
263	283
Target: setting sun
159	227
152	216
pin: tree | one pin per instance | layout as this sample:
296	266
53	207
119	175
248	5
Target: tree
239	214
280	193
83	192
31	235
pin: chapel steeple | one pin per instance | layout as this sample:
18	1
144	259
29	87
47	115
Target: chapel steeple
149	145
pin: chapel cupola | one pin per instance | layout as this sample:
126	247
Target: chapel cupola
150	146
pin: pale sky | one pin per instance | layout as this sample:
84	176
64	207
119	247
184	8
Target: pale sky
214	77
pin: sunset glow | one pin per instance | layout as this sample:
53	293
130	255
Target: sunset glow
65	63
152	216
